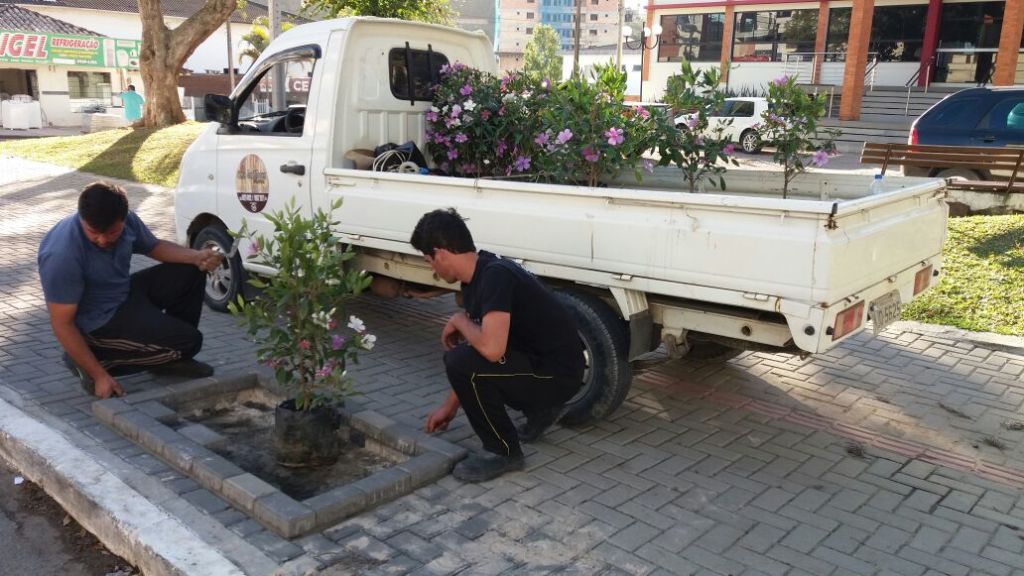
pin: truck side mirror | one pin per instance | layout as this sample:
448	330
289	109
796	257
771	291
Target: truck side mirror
218	108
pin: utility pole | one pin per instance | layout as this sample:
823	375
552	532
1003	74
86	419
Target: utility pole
576	40
231	55
618	34
278	78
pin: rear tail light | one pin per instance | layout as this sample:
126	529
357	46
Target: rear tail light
912	139
922	279
848	320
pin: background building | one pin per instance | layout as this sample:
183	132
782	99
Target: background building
841	42
517	20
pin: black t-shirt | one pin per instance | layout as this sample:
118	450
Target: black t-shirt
540	326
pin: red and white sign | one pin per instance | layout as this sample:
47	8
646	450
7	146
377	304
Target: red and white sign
18	45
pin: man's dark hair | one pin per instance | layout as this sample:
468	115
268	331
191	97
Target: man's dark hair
102	204
131	87
443	229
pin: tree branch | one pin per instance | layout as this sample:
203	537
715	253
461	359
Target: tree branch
198	27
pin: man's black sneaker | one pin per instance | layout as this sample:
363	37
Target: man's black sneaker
190	368
538	422
487	465
84	379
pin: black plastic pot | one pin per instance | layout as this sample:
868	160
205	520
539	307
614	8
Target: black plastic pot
306	438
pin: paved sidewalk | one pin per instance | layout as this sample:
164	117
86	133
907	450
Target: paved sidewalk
893	455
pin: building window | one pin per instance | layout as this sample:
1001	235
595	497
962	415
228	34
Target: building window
769	36
89	85
529	15
593	17
593	32
693	37
529	30
593	2
897	32
971	25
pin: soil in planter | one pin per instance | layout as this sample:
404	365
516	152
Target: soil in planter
248	426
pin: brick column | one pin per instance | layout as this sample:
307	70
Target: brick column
645	54
730	20
856	58
819	41
931	40
1009	43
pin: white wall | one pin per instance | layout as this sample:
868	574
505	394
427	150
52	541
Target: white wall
210	55
654	87
587	61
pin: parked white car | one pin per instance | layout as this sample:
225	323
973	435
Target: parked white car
745	113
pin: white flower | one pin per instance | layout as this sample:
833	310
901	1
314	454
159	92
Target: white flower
323	319
367	341
468	105
434	109
332	281
356	324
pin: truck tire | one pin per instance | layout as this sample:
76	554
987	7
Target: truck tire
962	173
712	351
608	375
224	284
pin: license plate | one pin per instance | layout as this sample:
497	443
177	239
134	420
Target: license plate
884	310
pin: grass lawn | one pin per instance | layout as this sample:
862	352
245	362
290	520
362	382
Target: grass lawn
983	285
144	155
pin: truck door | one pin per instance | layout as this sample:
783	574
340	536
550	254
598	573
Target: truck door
264	159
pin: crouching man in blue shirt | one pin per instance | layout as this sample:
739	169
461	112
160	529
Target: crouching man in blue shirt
109	321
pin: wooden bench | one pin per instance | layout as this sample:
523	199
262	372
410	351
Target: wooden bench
979	159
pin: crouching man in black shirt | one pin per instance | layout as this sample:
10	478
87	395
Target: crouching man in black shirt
515	345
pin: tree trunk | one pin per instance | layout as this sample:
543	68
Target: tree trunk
164	52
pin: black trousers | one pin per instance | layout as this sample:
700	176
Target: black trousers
157	324
485	388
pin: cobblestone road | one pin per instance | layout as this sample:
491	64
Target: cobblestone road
893	455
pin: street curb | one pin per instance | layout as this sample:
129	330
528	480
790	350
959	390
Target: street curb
990	340
121	518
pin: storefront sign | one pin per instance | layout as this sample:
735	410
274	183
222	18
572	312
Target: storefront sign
64	50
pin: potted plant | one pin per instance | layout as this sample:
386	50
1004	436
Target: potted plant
302	330
790	125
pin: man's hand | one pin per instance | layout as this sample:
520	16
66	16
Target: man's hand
208	260
105	386
451	336
440	418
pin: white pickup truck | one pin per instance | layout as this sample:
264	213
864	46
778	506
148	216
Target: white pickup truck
639	264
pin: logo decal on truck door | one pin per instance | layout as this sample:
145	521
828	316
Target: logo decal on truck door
251	184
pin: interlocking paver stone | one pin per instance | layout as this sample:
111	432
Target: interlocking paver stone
697	473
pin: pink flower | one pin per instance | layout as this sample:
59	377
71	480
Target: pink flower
337	342
304	344
648	165
460	138
326	370
615	136
781	80
820	158
431	116
501	148
501	111
564	136
522	164
446	69
466	90
643	112
692	122
453	154
729	149
254	247
541	139
504	83
456	110
468	168
485	114
590	155
332	324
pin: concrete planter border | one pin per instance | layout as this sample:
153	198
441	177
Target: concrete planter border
144	418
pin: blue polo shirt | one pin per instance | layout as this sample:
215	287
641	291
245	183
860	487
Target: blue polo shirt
73	270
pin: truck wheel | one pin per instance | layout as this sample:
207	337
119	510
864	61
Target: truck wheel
224	284
962	173
750	142
607	376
